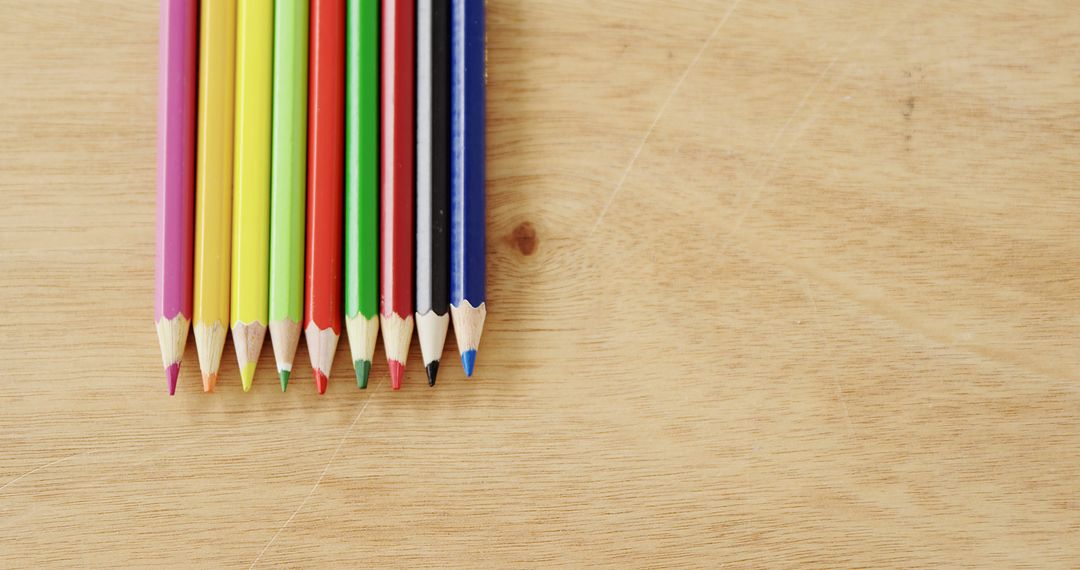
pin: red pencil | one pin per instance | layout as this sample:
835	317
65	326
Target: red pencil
396	183
326	120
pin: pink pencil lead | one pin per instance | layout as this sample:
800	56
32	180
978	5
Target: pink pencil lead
172	373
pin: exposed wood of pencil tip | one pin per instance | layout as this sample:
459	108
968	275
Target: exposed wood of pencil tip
172	338
397	336
209	343
431	330
363	333
248	341
468	325
322	345
284	336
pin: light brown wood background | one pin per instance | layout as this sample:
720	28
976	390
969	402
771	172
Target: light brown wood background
772	284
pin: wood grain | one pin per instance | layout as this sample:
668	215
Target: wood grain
798	287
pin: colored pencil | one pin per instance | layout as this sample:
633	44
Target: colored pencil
177	54
288	172
362	184
326	107
432	180
468	307
251	183
398	19
213	183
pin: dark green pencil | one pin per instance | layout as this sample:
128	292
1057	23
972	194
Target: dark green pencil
362	183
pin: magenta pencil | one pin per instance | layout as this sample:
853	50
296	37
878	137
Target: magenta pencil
177	56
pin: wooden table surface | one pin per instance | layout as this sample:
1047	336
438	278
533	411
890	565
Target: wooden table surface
772	284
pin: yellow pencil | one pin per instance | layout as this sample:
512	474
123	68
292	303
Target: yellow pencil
251	196
213	183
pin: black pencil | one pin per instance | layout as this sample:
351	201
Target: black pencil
432	179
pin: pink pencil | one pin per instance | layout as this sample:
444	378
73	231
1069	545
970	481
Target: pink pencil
177	57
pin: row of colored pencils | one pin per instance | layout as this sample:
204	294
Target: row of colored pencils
318	161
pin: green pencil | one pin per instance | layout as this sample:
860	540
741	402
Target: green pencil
288	179
362	183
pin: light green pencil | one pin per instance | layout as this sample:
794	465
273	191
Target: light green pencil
288	179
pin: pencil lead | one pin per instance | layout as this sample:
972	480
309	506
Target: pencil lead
397	371
432	371
247	374
320	380
363	370
209	381
468	360
172	373
283	375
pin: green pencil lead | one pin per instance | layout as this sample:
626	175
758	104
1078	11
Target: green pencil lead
284	376
363	369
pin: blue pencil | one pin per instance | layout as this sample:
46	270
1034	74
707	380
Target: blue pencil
467	79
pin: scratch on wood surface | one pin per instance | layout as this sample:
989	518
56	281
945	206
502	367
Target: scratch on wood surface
39	468
769	150
659	114
787	124
322	475
832	362
783	130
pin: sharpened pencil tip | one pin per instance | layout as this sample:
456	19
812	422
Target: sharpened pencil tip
432	371
172	373
283	375
247	374
397	371
468	360
209	381
363	370
320	380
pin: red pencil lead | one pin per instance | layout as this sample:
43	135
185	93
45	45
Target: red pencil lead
397	372
320	381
